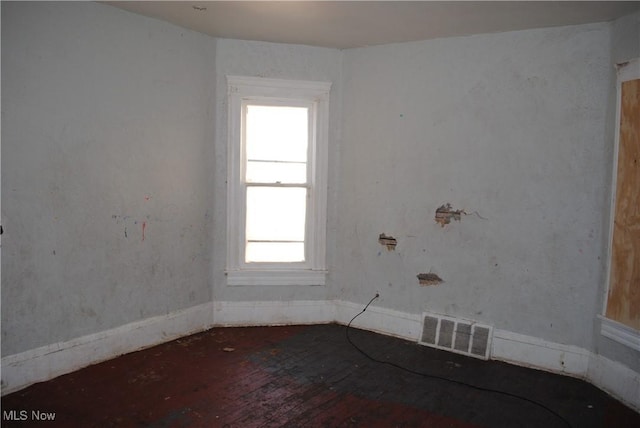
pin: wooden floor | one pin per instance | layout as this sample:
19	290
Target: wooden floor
308	376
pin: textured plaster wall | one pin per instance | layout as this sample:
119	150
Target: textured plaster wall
277	61
107	154
506	127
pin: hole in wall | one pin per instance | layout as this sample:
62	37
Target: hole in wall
389	241
444	214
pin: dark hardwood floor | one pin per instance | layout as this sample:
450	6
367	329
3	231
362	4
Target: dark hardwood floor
308	376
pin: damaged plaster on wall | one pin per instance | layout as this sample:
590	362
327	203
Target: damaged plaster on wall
389	241
425	279
445	213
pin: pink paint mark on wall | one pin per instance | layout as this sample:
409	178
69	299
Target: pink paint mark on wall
146	198
144	226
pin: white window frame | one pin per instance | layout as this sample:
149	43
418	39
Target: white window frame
243	90
610	328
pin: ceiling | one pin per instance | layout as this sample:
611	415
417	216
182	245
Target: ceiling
349	24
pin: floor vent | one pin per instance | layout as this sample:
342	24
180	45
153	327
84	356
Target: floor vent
456	335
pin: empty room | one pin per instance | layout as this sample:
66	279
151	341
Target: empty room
337	214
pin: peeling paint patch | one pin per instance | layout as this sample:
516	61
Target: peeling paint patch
389	241
444	214
429	279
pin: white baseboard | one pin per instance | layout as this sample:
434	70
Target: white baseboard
537	353
380	320
47	362
273	313
614	378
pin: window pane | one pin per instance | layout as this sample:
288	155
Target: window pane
276	133
274	252
276	213
276	172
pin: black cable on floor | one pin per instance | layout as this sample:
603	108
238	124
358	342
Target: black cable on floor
469	385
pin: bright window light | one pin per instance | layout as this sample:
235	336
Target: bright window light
276	222
276	150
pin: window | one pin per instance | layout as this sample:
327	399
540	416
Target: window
621	320
277	181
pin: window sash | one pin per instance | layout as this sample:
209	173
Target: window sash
311	107
283	235
302	184
275	92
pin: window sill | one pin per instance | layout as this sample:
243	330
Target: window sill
620	333
276	277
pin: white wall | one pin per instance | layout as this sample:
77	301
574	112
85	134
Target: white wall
272	60
509	126
107	130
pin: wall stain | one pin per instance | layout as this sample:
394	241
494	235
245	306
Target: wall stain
126	221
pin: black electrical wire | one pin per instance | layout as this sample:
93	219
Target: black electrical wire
426	375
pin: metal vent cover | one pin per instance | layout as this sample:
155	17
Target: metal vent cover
456	335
